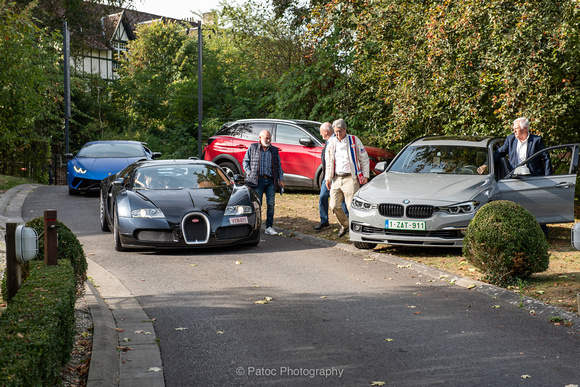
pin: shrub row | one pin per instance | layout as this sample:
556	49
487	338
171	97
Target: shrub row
38	327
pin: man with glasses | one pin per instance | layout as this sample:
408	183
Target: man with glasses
519	146
347	168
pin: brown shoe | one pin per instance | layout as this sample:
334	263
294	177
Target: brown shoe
342	232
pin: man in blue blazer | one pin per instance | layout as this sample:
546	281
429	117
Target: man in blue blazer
519	146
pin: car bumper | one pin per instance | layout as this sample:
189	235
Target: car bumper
157	233
441	230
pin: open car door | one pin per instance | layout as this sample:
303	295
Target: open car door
549	198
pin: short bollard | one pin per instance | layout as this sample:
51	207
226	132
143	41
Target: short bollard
13	270
50	238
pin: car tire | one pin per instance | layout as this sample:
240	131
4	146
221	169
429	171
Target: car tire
117	236
364	245
104	224
72	191
229	168
320	180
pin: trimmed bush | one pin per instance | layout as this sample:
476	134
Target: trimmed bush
38	327
506	243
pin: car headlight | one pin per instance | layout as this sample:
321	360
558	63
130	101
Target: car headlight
147	213
79	170
238	210
460	208
360	204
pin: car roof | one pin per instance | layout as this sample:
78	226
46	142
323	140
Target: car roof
274	121
478	141
115	142
173	162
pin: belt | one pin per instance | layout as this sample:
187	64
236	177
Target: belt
344	174
265	177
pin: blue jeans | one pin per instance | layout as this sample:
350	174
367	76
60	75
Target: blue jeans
266	186
323	203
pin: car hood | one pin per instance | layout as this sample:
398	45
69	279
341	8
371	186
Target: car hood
106	166
176	202
423	188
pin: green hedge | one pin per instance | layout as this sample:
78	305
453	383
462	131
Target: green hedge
38	327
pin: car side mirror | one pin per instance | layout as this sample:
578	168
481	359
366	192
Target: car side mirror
306	142
522	170
156	155
68	156
239	179
381	166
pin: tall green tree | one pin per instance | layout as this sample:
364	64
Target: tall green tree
30	96
458	67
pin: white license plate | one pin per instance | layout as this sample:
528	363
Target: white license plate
404	225
239	220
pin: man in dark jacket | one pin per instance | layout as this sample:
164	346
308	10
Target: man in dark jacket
519	146
264	174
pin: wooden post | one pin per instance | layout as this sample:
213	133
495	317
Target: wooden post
13	269
50	238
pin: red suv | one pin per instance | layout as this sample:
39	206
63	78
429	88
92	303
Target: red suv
299	142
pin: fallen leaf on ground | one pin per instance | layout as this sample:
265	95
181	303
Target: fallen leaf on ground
154	369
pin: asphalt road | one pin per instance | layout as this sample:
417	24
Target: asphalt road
334	318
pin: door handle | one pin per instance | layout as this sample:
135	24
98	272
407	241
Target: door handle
565	185
241	146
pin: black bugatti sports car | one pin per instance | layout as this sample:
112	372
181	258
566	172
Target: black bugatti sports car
177	203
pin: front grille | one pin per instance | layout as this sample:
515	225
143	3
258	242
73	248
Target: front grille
195	227
85	184
391	210
234	232
386	232
155	236
397	211
419	211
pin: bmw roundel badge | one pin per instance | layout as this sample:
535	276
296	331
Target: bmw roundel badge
406	201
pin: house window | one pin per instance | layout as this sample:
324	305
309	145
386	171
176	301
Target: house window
122	46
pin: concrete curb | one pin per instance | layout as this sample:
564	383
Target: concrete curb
528	303
125	348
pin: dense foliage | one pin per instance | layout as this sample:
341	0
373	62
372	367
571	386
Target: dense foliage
394	69
457	67
506	243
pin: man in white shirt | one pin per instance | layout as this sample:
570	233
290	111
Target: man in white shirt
347	168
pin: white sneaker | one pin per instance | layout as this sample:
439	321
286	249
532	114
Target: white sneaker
271	231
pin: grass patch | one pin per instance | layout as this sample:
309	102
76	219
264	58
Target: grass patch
7	182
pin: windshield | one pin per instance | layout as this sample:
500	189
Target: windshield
445	159
182	176
102	150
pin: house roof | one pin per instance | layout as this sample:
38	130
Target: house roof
115	17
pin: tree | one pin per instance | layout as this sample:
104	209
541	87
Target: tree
462	67
30	95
